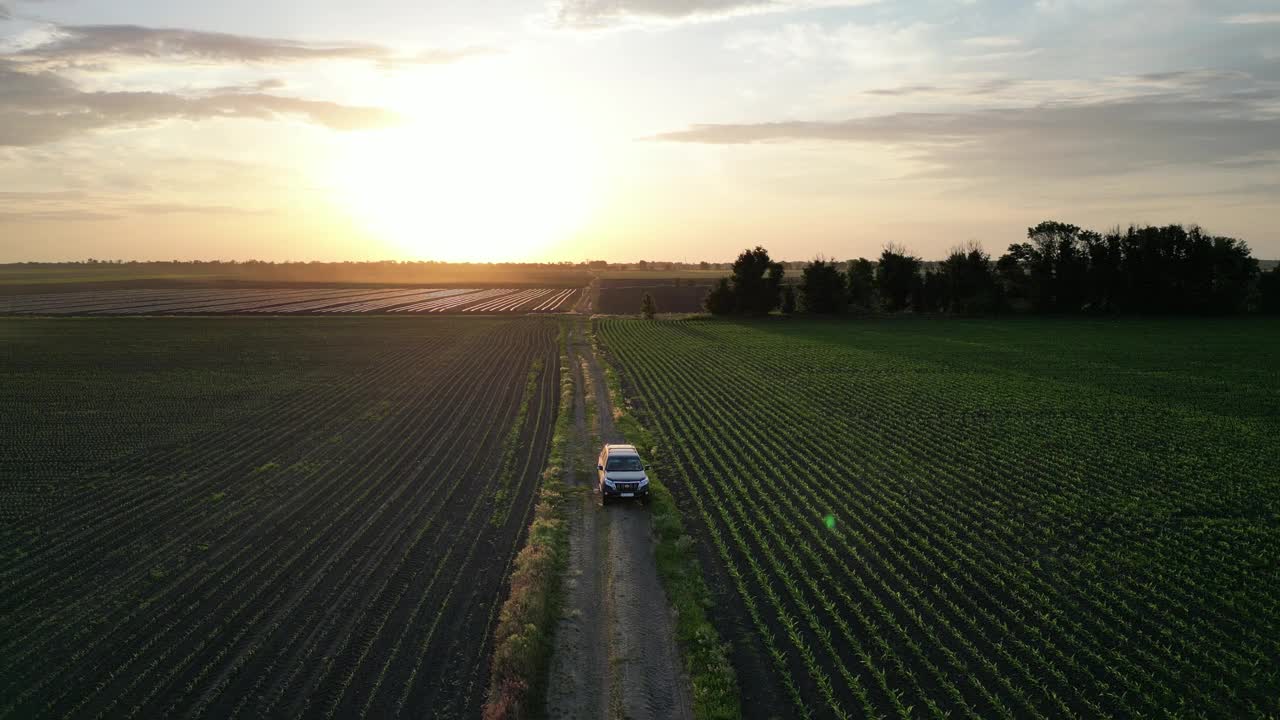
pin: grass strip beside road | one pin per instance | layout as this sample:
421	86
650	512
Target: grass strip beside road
522	640
706	657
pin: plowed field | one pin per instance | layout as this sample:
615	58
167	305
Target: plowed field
303	517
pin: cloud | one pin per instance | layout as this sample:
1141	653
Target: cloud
993	41
595	14
1060	139
55	216
80	206
40	197
77	45
41	107
905	90
175	208
254	87
1019	92
55	206
86	215
1253	19
980	89
904	49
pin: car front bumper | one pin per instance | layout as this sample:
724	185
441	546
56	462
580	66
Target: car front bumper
618	490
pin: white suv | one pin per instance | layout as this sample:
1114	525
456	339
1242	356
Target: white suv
621	474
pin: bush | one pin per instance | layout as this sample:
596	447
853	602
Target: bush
647	307
720	299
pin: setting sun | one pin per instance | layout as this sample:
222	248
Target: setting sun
485	168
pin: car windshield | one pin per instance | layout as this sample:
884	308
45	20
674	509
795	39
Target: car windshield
624	463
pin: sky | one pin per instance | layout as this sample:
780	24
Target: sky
553	130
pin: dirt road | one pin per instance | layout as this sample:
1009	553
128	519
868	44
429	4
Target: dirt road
615	649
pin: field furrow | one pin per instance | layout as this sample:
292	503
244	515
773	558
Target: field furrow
334	546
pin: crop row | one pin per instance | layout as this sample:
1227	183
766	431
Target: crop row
285	301
911	538
329	555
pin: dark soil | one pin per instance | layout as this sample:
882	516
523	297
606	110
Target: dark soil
337	545
624	299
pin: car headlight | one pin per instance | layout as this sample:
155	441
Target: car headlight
608	482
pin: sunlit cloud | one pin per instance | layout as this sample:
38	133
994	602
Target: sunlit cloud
860	46
81	45
1253	19
595	14
264	85
80	206
58	216
993	41
42	107
177	208
1067	139
1026	92
40	103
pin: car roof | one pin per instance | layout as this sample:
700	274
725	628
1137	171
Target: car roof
621	450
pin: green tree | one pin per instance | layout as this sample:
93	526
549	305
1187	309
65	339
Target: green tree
968	283
773	283
822	288
897	277
930	292
756	281
1149	269
860	281
647	307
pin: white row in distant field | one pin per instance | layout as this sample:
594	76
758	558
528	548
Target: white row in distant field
293	301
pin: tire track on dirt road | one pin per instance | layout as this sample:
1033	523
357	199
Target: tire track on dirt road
615	650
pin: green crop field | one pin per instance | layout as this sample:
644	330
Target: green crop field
263	517
984	519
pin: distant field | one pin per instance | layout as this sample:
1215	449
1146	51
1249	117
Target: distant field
54	276
1005	519
622	296
24	278
663	276
287	301
263	518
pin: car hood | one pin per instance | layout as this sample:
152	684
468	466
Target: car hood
624	476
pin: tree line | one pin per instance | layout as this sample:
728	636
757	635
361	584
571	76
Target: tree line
1061	268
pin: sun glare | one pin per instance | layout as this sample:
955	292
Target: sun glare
486	169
